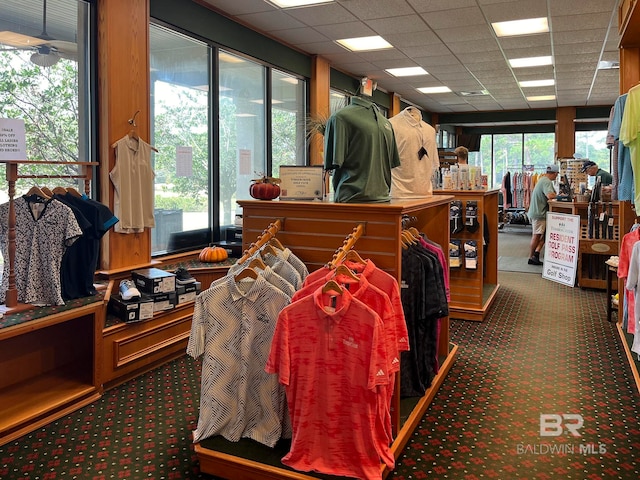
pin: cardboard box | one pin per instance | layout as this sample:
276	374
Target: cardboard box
188	293
188	288
164	301
131	310
154	281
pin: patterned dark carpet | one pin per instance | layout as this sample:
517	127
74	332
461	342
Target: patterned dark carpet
544	349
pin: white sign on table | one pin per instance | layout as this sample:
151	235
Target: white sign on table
562	240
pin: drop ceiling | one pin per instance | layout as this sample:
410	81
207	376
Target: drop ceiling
454	42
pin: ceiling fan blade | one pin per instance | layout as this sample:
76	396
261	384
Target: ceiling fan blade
18	40
62	46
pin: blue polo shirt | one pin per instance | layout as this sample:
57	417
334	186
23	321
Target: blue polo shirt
360	146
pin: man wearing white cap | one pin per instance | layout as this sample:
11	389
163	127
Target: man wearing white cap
542	193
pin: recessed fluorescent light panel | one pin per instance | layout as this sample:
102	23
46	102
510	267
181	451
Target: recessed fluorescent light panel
530	62
297	3
529	26
434	89
608	65
541	98
362	44
407	71
538	83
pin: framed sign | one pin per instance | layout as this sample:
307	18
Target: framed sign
301	183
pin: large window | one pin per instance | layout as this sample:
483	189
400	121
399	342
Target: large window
516	152
211	147
242	135
288	116
593	145
44	80
180	126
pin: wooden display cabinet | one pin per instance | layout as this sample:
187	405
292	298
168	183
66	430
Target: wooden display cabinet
473	291
594	252
50	367
132	348
314	231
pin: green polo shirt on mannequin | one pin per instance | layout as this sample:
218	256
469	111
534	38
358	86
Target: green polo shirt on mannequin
359	145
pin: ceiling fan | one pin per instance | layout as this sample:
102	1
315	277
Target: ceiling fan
47	50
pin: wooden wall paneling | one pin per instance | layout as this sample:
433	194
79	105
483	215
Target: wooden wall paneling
319	106
565	132
629	68
123	89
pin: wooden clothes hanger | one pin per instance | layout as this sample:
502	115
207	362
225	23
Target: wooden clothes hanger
246	272
268	249
332	286
346	271
354	256
60	190
37	191
276	243
257	262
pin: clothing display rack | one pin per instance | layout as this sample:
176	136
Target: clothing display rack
86	173
264	238
347	245
51	362
311	228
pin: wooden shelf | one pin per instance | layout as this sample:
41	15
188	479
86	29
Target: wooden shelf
473	291
49	368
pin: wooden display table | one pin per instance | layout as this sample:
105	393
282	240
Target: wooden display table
313	231
594	252
49	359
473	291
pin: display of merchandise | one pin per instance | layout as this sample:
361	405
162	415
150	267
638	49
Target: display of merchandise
128	290
470	255
455	217
183	277
471	216
455	246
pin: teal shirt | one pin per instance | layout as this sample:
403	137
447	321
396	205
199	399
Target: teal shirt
539	202
360	146
606	177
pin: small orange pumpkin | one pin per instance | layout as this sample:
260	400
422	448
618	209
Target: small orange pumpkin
213	254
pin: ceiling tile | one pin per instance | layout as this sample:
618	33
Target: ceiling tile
517	10
324	14
455	19
404	24
367	10
267	21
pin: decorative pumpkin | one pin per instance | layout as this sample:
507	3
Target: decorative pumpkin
213	254
265	188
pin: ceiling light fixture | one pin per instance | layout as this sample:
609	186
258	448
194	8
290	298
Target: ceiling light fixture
297	3
608	65
528	26
442	89
363	44
541	98
530	61
537	83
406	71
474	93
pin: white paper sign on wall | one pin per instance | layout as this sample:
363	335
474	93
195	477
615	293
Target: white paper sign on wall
12	139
